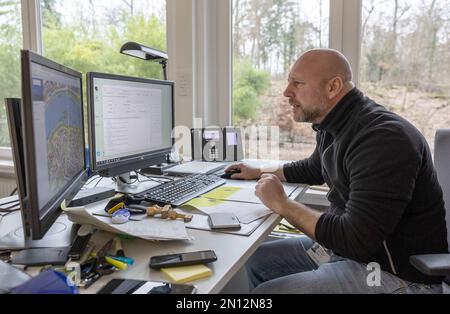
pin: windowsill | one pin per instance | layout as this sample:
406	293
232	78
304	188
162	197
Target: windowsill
6	168
6	162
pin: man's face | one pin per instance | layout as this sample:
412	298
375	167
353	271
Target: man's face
306	96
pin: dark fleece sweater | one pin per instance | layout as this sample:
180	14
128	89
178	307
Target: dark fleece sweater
386	202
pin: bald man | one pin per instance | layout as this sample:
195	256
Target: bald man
386	202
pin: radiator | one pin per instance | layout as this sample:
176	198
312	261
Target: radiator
7	185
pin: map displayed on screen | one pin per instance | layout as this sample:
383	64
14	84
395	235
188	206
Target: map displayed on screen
57	113
64	133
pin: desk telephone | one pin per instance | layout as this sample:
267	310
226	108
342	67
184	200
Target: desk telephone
217	144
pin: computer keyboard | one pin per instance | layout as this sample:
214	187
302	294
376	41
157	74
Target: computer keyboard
178	192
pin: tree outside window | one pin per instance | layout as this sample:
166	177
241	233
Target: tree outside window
405	62
87	35
268	36
10	45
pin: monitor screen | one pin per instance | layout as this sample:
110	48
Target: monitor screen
54	134
58	130
131	121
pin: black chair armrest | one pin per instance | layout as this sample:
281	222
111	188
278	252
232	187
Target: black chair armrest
432	264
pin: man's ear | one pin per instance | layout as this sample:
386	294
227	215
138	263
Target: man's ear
334	87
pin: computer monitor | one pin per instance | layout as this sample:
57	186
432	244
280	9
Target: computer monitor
54	167
130	122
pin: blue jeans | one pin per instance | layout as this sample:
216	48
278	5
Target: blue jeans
283	266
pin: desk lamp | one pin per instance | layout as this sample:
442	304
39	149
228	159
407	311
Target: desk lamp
146	53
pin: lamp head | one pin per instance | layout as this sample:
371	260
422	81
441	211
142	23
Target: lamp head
143	52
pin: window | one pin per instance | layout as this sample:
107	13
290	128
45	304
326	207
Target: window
268	37
405	62
87	35
10	45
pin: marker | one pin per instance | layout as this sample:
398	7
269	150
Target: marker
126	260
116	263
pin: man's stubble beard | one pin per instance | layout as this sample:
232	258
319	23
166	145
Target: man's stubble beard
311	115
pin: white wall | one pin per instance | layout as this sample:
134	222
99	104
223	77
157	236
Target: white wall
199	49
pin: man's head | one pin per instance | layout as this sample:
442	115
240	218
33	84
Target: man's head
318	81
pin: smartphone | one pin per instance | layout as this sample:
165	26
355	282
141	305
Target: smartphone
183	259
78	246
223	221
129	286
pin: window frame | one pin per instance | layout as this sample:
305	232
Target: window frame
344	30
196	41
31	39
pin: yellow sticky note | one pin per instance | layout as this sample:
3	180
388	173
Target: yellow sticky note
222	193
201	202
185	274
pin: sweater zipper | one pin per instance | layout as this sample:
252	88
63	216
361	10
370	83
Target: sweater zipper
391	262
325	150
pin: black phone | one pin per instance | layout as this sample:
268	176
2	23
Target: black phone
183	259
129	286
78	246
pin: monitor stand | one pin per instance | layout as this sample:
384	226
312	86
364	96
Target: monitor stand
60	234
126	185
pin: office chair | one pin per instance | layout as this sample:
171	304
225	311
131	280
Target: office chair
439	264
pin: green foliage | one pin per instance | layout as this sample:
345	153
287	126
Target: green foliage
249	83
246	103
100	52
10	43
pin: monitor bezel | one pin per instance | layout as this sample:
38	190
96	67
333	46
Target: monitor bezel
133	162
31	211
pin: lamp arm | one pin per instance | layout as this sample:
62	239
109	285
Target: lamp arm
164	66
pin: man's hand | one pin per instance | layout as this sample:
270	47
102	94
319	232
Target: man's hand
271	192
244	172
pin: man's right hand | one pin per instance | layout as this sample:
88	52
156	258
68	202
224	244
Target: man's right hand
244	172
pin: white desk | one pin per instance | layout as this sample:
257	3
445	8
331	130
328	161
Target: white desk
232	251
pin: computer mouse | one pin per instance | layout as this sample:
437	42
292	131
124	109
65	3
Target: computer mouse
228	174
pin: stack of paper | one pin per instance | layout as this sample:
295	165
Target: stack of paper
245	212
148	229
241	194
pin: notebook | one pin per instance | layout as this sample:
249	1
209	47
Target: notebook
195	167
185	274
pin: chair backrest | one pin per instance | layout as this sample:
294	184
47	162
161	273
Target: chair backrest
442	164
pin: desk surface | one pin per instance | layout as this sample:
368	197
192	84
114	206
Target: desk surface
232	251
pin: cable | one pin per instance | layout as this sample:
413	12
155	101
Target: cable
92	179
156	178
101	178
13	192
